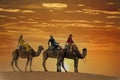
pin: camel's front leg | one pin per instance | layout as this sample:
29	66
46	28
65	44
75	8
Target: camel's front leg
76	64
44	62
27	64
31	58
16	64
14	59
58	65
63	66
12	64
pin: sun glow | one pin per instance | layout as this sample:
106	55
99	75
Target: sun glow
66	67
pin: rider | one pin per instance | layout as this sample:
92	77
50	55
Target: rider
21	42
53	42
70	42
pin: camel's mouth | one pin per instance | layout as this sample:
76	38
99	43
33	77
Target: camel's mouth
41	47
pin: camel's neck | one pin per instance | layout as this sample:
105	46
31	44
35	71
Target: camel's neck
83	55
38	52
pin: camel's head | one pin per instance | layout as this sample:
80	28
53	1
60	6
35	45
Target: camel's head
84	49
41	47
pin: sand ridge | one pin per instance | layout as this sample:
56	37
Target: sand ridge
37	75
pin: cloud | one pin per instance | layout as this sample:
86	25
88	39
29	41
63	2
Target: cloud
80	21
15	10
73	11
90	11
28	21
27	11
97	21
4	16
32	6
112	12
109	22
80	25
10	10
54	5
111	3
70	21
97	11
81	5
108	26
11	31
113	17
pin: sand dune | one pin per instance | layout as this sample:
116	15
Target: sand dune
52	76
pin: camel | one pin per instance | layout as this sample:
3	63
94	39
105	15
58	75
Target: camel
24	54
50	54
64	53
75	55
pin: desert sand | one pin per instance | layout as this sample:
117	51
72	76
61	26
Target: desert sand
37	75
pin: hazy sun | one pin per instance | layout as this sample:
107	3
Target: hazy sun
66	67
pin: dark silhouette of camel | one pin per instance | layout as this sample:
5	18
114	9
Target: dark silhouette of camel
50	54
24	54
64	53
75	55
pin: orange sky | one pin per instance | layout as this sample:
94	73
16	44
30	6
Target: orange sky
95	27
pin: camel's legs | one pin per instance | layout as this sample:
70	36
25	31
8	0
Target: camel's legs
16	64
27	64
58	65
44	62
63	66
12	64
14	57
76	64
31	58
